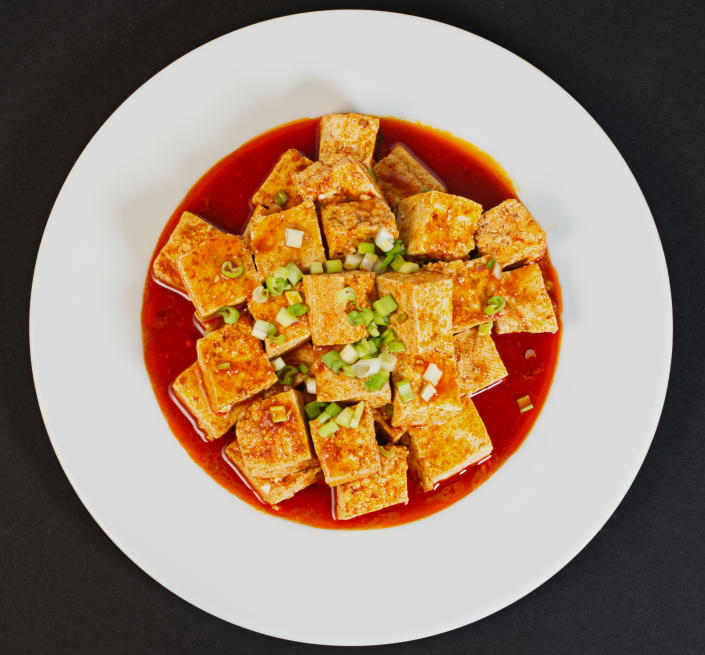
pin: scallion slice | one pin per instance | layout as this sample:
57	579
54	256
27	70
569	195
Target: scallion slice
365	248
484	329
371	174
409	267
376	343
298	309
525	404
366	314
316	268
332	410
334	266
263	329
373	329
432	374
231	271
386	305
396	346
359	410
345	295
494	305
278	413
293	297
230	314
490	263
388	362
260	294
397	262
366	367
345	417
348	354
354	318
223	366
379	319
293	238
304	369
311	386
281	197
276	338
368	261
328	429
401	317
293	274
377	381
404	390
286	375
388	336
384	239
285	318
313	409
278	364
276	285
333	361
347	371
352	262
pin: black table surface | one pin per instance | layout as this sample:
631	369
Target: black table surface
637	67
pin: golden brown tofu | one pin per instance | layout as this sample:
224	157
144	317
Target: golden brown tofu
281	179
294	334
350	223
328	316
509	233
437	225
400	175
473	284
190	231
529	307
349	453
444	402
274	445
233	365
273	490
190	392
268	239
347	135
479	363
345	181
376	491
440	451
383	420
338	387
425	313
259	210
205	269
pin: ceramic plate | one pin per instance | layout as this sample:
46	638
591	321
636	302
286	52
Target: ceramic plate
286	579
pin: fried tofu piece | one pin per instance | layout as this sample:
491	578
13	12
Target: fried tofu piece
273	490
207	286
444	403
437	225
479	363
529	307
191	393
233	365
259	210
294	334
509	233
439	451
400	175
473	284
347	224
376	491
337	387
190	231
282	179
268	239
345	181
383	420
328	315
349	453
272	447
426	298
347	135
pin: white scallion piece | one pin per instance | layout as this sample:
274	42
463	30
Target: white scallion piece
352	262
259	295
311	385
349	354
366	367
384	240
285	317
278	364
432	374
428	392
497	270
261	329
293	238
368	261
388	362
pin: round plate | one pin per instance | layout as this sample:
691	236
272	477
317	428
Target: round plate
290	580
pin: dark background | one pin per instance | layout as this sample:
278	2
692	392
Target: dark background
637	67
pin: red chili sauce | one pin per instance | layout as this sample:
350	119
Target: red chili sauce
222	197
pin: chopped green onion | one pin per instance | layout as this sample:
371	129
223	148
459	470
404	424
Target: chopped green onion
278	364
377	381
404	390
361	348
333	361
334	266
293	297
316	268
278	413
396	346
277	338
359	410
259	295
366	314
293	274
281	197
304	369
389	410
409	267
298	309
285	317
230	271
388	362
368	261
386	305
354	318
397	262
352	262
365	248
345	417
366	367
311	386
230	314
348	371
371	174
345	295
401	317
373	329
388	336
525	404
223	366
379	319
490	263
263	329
384	239
276	285
387	453
293	238
484	329
280	271
328	429
494	305
432	374
428	392
313	409
349	354
286	375
376	343
332	410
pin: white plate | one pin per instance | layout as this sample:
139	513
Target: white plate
290	580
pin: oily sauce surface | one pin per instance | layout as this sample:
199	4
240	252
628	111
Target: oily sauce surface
222	196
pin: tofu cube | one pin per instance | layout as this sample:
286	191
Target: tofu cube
426	298
348	454
233	365
328	316
437	225
268	239
273	490
439	451
282	179
347	224
344	181
383	421
190	231
479	363
347	135
473	284
510	234
207	286
259	210
400	175
272	449
337	387
444	403
376	491
294	334
191	394
529	307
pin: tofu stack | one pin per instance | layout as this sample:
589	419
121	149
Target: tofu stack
346	329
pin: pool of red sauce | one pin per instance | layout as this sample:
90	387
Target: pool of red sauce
222	197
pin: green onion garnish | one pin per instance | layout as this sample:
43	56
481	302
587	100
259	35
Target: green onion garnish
352	262
293	273
347	371
484	329
368	261
345	295
230	314
333	361
263	329
332	410
494	304
304	369
285	318
367	315
230	271
386	305
281	197
397	262
379	319
525	404
327	429
404	390
396	347
313	409
371	174
490	263
223	366
298	309
345	417
359	410
259	295
388	362
277	339
376	343
401	317
316	268
286	375
276	285
354	318
278	413
365	248
373	329
293	297
409	267
334	266
377	381
388	336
